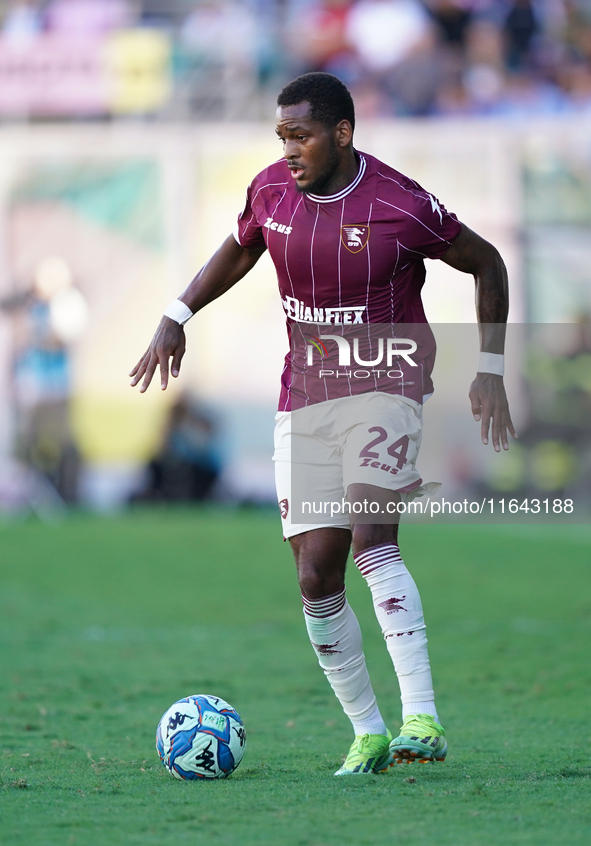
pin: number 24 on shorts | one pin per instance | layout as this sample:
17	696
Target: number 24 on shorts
397	450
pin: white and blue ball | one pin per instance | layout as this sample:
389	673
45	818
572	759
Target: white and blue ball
200	737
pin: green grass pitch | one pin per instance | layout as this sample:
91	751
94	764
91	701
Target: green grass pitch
105	622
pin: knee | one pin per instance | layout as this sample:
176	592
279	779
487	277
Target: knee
365	536
321	558
316	583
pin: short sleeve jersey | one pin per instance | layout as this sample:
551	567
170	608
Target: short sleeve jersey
351	258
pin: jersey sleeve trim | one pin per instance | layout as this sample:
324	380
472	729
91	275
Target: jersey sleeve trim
248	231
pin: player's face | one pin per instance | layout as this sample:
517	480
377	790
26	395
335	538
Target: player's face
310	148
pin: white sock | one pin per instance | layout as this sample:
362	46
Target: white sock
399	611
336	637
410	708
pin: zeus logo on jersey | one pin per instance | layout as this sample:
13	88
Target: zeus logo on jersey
435	207
277	227
298	310
344	347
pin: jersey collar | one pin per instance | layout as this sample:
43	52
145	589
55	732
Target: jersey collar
331	198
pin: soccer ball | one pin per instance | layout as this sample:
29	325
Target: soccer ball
200	737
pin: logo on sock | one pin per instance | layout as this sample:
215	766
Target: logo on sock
326	648
392	605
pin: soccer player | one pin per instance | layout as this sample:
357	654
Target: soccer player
348	236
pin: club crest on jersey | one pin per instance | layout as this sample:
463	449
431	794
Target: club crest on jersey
355	237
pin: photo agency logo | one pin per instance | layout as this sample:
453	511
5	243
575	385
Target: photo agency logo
387	356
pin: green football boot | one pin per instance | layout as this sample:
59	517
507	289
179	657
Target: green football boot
420	739
369	753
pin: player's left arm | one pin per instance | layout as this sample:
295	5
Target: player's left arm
472	254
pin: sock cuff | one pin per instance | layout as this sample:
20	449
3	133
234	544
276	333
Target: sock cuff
326	606
375	557
427	706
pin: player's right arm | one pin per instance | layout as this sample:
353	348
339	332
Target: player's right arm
224	269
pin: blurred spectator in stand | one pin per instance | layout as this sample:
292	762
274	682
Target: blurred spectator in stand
521	25
452	19
188	463
81	17
525	96
484	73
395	42
219	40
22	21
400	57
577	30
319	38
574	72
575	81
167	14
48	318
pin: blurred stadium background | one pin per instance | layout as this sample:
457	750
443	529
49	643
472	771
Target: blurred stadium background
129	130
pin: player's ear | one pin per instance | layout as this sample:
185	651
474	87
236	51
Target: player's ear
343	133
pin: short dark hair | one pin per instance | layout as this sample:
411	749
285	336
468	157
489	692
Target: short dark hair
329	98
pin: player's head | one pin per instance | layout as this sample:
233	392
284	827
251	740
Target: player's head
329	98
315	121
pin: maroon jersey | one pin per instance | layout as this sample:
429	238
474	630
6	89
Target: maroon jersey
356	257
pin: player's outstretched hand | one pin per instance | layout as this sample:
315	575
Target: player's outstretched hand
168	341
490	406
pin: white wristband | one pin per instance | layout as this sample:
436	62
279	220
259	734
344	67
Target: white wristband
491	363
179	312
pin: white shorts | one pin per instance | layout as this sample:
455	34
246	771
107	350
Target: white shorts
320	450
